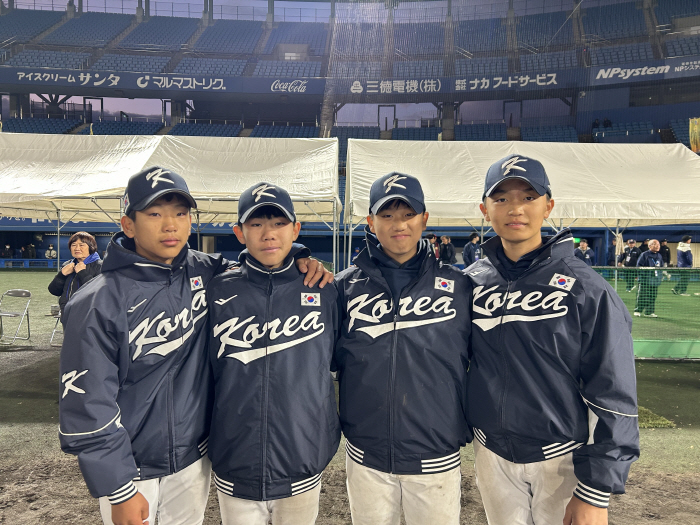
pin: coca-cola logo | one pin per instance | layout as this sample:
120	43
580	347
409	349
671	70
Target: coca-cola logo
295	86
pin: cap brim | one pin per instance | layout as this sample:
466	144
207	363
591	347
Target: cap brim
539	189
145	203
418	207
245	216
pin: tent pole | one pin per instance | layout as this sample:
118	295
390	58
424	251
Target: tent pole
617	232
199	234
58	238
481	239
335	236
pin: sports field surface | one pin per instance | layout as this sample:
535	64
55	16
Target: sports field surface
41	485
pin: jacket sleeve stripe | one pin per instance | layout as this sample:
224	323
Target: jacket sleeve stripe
592	496
122	494
119	412
611	411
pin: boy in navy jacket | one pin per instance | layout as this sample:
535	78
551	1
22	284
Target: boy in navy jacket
136	389
402	361
552	388
275	422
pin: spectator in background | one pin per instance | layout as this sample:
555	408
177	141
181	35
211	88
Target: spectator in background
645	246
684	260
665	252
595	126
50	252
31	251
447	251
584	253
6	253
612	253
607	123
355	253
649	280
20	253
628	259
85	265
470	254
432	239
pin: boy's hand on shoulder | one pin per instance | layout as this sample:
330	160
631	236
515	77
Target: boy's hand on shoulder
578	512
133	511
315	272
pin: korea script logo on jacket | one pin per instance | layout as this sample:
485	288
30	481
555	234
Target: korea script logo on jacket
158	330
237	333
373	310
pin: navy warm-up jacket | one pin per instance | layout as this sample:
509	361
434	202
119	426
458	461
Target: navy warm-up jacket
552	368
275	421
402	365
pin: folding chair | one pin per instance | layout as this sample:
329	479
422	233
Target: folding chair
56	330
4	312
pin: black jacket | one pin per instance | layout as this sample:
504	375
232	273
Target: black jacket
447	253
665	252
402	365
64	286
136	388
588	256
469	253
629	256
275	422
552	367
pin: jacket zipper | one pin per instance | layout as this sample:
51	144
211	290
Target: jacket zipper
171	415
264	400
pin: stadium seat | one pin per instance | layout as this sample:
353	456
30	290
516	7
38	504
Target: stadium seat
355	69
165	33
549	134
346	36
134	63
352	132
544	30
287	68
210	66
311	33
419	69
230	36
200	129
480	35
89	29
111	127
304	132
683	46
615	21
50	126
21	25
415	39
548	61
621	54
667	10
54	59
481	66
481	132
415	133
681	130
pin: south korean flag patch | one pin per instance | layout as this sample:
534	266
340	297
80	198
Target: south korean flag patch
196	283
563	282
311	299
444	284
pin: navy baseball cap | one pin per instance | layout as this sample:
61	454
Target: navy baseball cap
265	194
151	184
396	186
517	167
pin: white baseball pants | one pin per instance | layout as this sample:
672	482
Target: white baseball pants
178	499
524	494
376	498
301	509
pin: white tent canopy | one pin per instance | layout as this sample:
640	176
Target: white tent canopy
84	177
592	184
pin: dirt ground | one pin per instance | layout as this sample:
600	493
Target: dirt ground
41	485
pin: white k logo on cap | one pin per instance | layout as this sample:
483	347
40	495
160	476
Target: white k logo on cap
511	165
157	176
260	192
392	182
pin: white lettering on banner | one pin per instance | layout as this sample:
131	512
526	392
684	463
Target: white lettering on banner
529	303
295	86
377	308
252	332
624	74
165	327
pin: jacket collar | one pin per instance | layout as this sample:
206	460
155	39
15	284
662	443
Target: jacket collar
262	276
554	247
121	255
371	256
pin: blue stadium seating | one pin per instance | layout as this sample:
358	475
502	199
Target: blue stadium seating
162	33
545	30
419	69
304	132
352	132
667	10
134	63
355	69
481	66
549	134
481	132
54	59
210	66
480	35
52	126
355	40
415	133
287	68
681	130
621	130
548	61
21	25
200	129
682	47
111	127
419	39
311	33
89	29
230	36
614	21
619	54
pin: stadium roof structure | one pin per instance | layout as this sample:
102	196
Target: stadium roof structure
83	178
593	184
